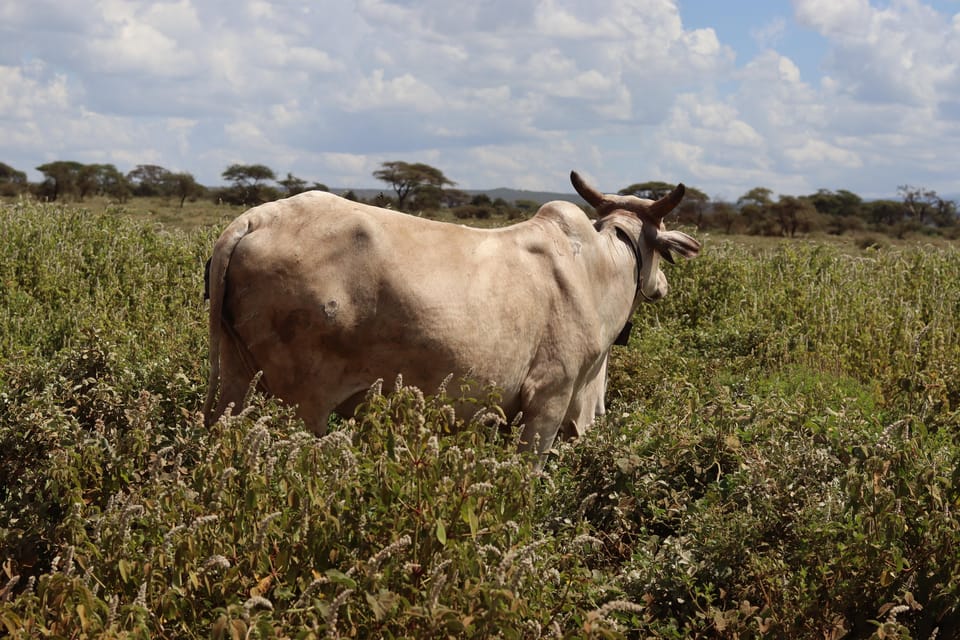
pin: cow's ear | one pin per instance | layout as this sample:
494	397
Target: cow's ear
664	252
678	241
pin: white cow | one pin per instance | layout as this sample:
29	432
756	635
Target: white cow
324	296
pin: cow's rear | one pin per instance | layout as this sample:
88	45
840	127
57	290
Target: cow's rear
322	297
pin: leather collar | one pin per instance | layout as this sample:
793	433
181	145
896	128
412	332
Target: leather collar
624	336
639	262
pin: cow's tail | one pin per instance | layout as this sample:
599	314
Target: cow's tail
216	281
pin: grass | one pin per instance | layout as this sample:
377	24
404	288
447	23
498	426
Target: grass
780	459
203	213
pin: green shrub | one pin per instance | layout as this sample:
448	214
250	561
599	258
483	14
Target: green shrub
780	459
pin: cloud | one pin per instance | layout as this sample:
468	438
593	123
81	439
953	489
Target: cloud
554	20
133	46
836	18
813	153
904	52
768	35
375	92
310	82
501	92
29	89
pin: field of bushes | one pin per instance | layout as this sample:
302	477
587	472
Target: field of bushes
780	458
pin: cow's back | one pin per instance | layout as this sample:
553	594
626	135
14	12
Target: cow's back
328	295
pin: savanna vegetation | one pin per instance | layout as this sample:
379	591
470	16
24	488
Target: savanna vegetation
423	189
780	458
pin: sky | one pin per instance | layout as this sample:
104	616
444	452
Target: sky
723	95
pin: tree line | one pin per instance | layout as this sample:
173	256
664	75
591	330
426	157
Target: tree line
422	188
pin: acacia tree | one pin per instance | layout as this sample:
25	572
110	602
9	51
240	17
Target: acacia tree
452	198
725	216
293	184
756	208
183	185
652	190
883	213
836	203
102	179
407	178
248	187
840	211
12	181
694	205
794	214
61	178
917	201
926	207
149	180
248	174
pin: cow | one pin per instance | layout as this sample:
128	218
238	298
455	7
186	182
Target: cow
321	296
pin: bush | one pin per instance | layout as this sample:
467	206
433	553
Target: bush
780	458
474	211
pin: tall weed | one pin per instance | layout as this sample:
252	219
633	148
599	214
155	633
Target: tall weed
780	459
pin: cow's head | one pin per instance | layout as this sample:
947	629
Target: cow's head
653	241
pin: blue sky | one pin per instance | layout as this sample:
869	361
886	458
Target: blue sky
723	95
750	26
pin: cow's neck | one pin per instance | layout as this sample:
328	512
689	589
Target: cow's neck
623	293
623	338
635	248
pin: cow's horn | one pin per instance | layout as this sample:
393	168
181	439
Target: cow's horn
593	197
659	209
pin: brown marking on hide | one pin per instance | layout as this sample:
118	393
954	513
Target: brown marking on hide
286	324
361	237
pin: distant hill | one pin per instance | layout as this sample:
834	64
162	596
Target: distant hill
510	195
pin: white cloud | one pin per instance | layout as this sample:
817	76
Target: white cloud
342	168
279	54
248	134
377	91
769	34
138	47
143	41
706	52
838	18
556	21
26	91
815	153
260	9
174	18
773	97
500	92
903	52
180	130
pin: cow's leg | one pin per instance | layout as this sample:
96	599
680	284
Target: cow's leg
543	410
315	409
315	419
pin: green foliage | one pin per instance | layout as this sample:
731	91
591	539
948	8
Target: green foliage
66	271
12	182
248	185
780	459
652	190
60	178
474	212
407	179
149	180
